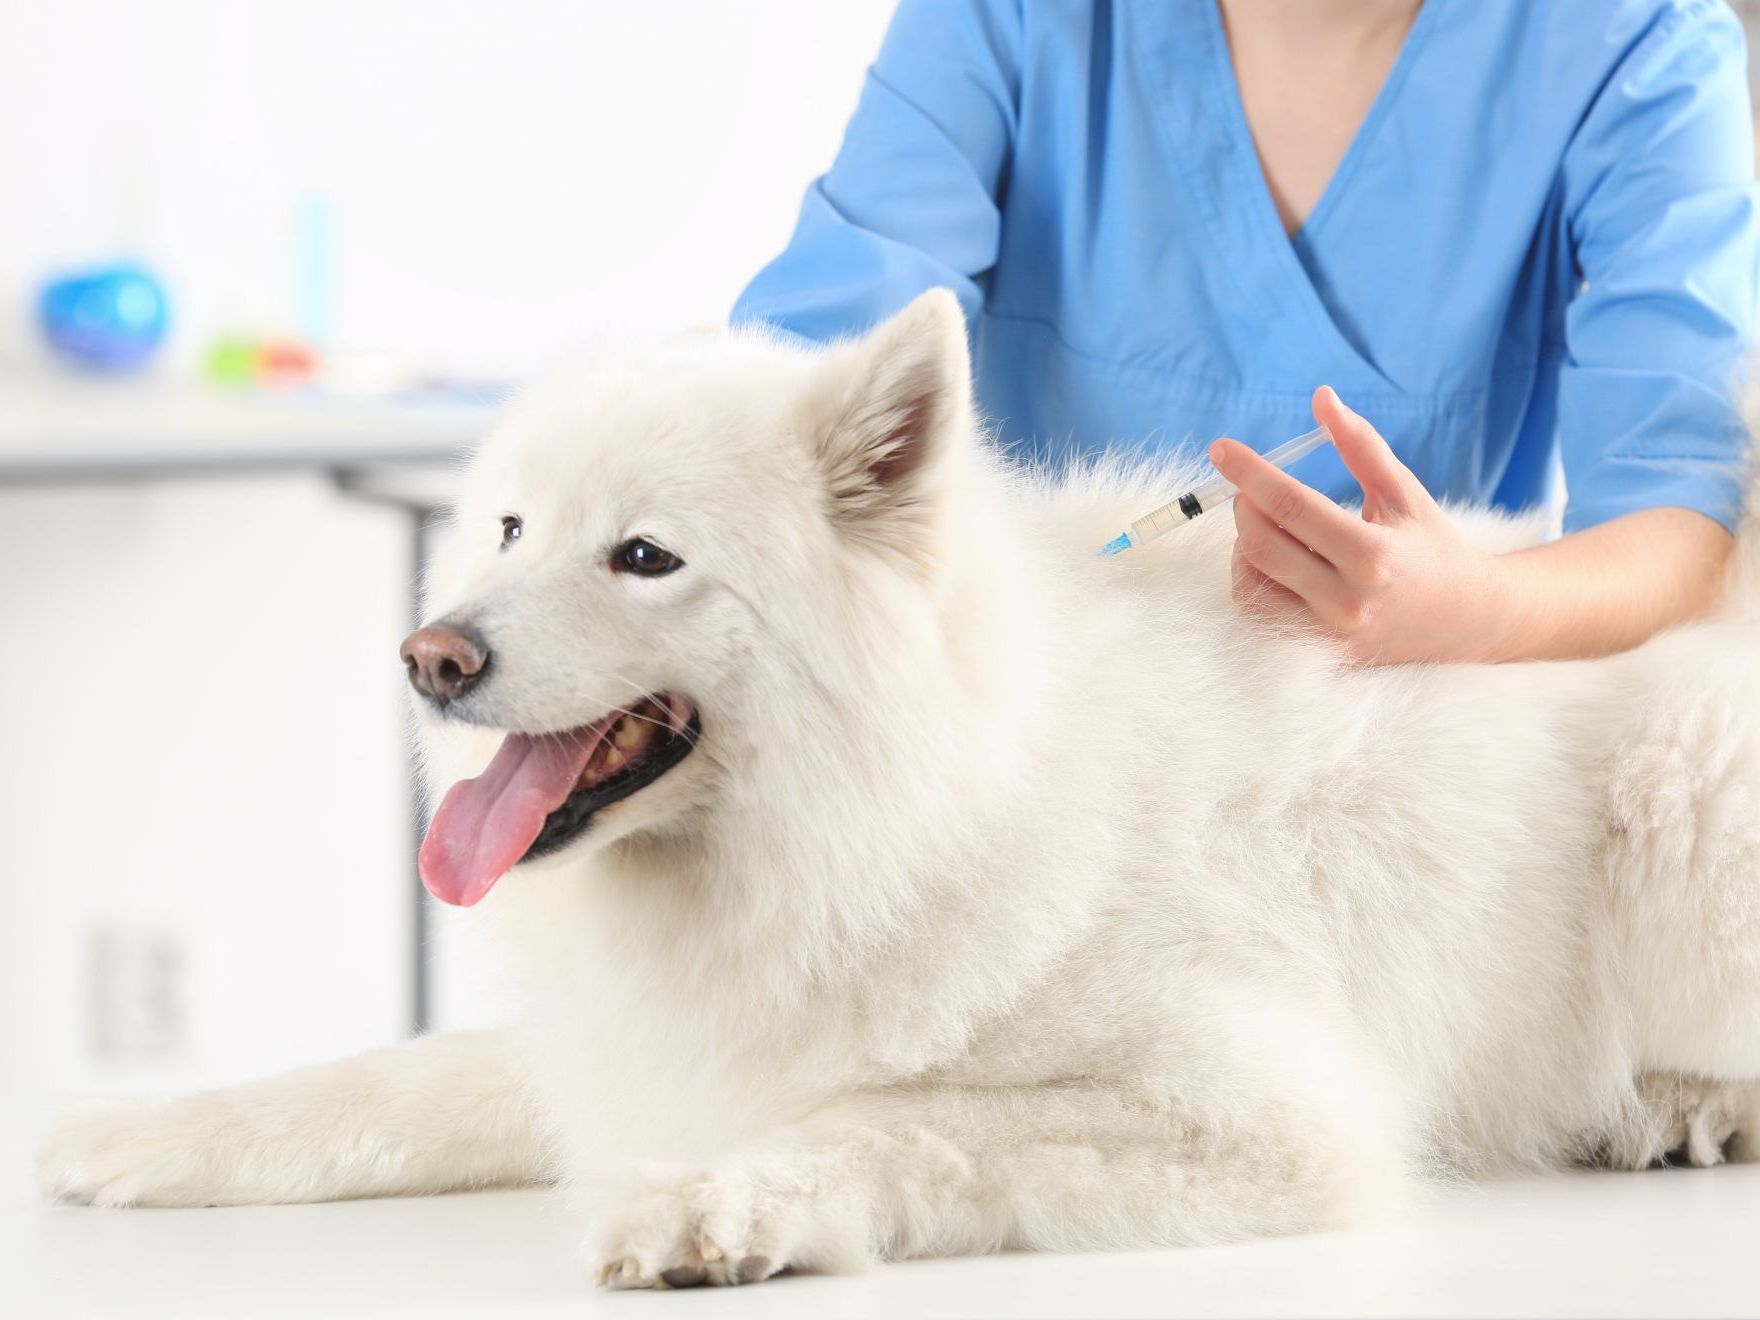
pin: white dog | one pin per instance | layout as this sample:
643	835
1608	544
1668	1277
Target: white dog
900	879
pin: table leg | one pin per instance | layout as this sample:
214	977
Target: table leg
420	982
380	488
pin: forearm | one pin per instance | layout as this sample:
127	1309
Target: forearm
1397	583
1607	588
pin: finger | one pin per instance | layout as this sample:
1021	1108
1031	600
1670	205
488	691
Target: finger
1257	594
1368	457
1289	563
1338	536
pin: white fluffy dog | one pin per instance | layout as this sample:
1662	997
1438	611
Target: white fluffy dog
899	879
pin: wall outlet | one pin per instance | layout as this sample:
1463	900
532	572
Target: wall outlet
137	1002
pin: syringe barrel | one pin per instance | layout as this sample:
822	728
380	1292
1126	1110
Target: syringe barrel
1155	523
1217	490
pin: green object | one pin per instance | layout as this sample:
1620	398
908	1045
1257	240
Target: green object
232	362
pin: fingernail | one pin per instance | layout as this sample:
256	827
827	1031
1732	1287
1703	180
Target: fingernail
1340	402
1216	453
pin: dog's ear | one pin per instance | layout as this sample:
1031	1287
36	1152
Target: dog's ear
892	408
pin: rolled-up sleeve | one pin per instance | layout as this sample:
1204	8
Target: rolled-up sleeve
1660	198
911	202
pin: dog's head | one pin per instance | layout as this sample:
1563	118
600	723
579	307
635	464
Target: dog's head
652	559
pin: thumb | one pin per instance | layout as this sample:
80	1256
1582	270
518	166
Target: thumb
1385	480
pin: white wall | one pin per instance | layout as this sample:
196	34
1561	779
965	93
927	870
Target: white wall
507	179
200	715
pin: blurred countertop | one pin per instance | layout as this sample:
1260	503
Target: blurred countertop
62	429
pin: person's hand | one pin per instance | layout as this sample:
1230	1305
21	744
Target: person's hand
1393	584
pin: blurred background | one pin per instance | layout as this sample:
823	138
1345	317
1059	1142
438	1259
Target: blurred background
264	269
264	272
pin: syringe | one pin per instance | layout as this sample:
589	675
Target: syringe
1203	498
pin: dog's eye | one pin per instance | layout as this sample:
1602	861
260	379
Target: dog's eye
512	528
644	558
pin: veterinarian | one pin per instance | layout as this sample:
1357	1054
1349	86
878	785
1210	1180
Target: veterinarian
1515	237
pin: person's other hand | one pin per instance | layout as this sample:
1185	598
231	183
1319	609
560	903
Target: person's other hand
1394	583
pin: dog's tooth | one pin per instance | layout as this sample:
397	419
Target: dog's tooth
612	760
629	732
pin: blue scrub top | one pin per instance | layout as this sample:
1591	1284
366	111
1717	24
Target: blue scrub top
1541	244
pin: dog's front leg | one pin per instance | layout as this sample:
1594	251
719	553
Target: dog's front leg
438	1114
936	1171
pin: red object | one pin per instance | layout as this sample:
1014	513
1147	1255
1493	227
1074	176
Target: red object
285	362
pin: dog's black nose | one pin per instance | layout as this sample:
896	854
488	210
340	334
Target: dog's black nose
445	660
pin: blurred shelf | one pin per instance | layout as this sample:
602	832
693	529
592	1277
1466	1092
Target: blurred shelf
60	430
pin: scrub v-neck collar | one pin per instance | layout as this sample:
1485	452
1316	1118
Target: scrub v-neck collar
1226	176
1230	89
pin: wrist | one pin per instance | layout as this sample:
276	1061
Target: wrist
1503	615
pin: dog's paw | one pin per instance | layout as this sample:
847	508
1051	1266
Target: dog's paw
679	1229
142	1154
682	1229
1707	1119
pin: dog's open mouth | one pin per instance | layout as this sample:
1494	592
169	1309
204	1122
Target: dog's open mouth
541	792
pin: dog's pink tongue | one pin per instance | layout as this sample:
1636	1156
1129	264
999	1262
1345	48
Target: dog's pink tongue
485	824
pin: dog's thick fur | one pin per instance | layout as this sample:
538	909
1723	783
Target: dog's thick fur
1013	897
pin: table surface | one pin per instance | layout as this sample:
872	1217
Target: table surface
68	429
1677	1242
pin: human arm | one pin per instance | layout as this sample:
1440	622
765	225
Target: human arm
1397	582
911	202
1659	208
